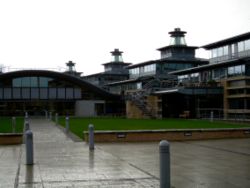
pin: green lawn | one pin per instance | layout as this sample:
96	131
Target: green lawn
78	125
6	124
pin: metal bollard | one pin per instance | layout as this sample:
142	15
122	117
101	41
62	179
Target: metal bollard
56	118
50	116
13	124
26	126
26	115
211	116
29	147
91	137
26	118
67	124
164	164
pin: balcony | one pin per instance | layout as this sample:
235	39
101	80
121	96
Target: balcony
200	84
230	56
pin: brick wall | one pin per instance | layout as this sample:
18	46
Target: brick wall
171	135
10	139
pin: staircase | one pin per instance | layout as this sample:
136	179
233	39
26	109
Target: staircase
138	98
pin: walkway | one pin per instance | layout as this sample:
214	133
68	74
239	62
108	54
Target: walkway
61	162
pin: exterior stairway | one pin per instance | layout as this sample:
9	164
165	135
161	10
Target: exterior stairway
138	98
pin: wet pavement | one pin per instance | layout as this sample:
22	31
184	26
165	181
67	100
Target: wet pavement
62	162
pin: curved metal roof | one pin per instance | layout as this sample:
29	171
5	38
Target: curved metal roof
67	77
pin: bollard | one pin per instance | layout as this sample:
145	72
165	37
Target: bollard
164	164
46	114
26	126
56	118
26	115
13	124
29	147
26	118
91	137
211	116
50	116
67	124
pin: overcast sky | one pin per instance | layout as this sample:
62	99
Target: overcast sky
48	33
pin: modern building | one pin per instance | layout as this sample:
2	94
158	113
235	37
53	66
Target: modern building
149	78
113	71
218	87
37	91
229	71
177	85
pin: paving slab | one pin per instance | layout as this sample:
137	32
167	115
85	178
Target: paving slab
60	161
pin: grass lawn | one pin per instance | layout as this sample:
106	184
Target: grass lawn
78	125
6	124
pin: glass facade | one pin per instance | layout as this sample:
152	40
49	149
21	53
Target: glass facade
177	40
31	82
236	70
215	74
239	49
36	87
142	71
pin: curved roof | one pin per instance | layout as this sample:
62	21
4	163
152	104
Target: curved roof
67	77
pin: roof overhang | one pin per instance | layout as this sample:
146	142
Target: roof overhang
210	66
227	41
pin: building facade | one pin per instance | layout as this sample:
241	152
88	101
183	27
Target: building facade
114	71
228	69
177	85
38	91
218	87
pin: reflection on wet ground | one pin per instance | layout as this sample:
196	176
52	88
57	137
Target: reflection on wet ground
61	162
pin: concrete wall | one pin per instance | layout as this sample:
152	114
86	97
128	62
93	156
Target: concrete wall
86	108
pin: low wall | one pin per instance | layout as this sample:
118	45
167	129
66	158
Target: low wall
171	135
11	138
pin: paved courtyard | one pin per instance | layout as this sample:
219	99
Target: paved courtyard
62	162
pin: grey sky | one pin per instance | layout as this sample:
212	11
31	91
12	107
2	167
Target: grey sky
48	33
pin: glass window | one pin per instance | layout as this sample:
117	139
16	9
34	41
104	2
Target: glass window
77	93
243	69
69	93
43	93
247	44
237	70
34	93
17	82
7	93
26	93
61	93
44	82
214	53
241	46
138	85
33	82
225	50
230	70
16	93
52	93
232	49
220	51
26	82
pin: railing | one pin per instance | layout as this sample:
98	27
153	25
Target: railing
138	99
206	113
230	56
199	84
10	69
